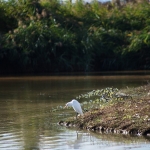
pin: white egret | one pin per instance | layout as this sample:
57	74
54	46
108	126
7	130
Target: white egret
76	106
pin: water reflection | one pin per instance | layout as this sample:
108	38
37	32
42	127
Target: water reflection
26	121
12	140
76	144
71	139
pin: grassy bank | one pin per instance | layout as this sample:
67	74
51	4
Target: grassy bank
128	113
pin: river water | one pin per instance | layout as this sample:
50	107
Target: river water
27	122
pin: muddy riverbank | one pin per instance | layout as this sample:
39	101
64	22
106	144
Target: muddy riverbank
129	113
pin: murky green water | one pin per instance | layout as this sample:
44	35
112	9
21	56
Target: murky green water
27	123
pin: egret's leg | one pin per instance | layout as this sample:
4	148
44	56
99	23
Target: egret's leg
76	115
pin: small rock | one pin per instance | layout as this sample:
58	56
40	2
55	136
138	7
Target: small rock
60	123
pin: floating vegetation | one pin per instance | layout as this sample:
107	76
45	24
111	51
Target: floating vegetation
107	92
96	98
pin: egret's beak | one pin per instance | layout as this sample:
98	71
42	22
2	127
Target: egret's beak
65	106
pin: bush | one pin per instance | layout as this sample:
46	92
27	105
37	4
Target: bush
46	36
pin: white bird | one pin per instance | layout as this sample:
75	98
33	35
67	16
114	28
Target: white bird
76	106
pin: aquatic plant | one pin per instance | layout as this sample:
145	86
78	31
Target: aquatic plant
97	98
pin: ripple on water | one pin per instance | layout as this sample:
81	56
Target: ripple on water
81	140
11	141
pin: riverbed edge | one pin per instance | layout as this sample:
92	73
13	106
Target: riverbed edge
128	116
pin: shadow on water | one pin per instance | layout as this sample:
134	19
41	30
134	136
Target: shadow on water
27	122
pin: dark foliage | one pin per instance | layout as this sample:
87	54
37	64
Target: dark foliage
46	36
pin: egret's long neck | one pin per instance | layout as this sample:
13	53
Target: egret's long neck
69	104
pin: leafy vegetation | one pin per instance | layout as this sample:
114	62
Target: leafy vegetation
48	36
